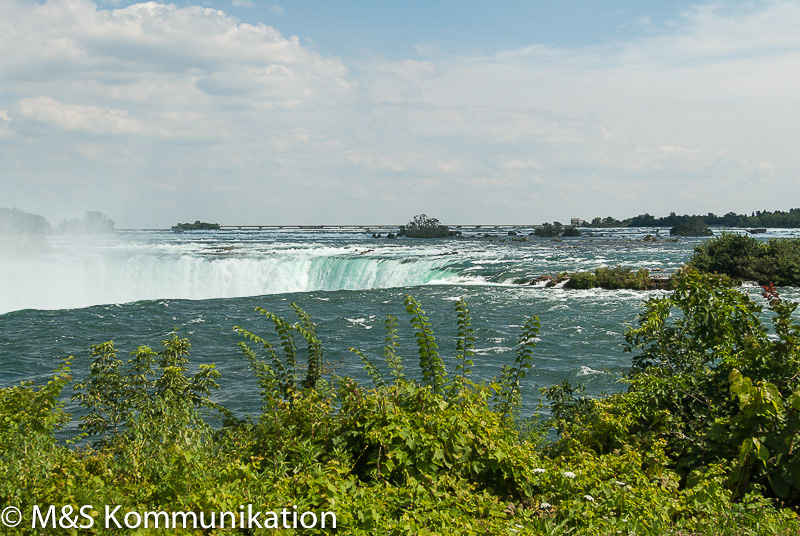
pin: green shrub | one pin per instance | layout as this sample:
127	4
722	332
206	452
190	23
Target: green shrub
618	277
556	229
196	226
582	280
692	227
710	383
423	226
571	230
743	257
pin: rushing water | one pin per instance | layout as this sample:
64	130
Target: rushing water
59	297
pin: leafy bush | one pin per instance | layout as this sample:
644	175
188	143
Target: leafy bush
116	397
743	257
710	384
623	277
582	280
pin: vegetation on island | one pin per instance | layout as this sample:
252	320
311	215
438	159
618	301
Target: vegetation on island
618	277
691	227
556	229
703	441
614	278
423	226
196	226
765	218
743	257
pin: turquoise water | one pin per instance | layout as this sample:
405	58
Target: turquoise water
136	287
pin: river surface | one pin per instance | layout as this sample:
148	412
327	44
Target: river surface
63	294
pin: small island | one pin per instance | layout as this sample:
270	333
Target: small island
556	229
196	226
423	226
692	227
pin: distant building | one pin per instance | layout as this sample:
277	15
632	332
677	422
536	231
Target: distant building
576	222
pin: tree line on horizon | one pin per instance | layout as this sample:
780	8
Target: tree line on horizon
759	218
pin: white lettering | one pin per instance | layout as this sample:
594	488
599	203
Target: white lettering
303	520
253	518
155	517
136	516
271	520
87	516
211	525
37	514
222	516
183	516
111	516
324	515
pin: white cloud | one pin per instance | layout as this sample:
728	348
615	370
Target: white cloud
516	163
6	132
161	112
449	166
151	44
75	117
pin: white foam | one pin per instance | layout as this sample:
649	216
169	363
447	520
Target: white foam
492	350
78	275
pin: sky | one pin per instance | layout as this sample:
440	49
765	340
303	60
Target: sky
364	112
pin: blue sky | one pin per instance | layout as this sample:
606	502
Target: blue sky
397	29
370	112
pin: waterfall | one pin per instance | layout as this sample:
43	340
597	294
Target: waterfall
59	280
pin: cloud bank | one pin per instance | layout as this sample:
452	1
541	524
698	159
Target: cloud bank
155	114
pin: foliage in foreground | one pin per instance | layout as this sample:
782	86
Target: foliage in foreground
711	387
443	455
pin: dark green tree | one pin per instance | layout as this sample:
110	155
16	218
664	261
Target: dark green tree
423	226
